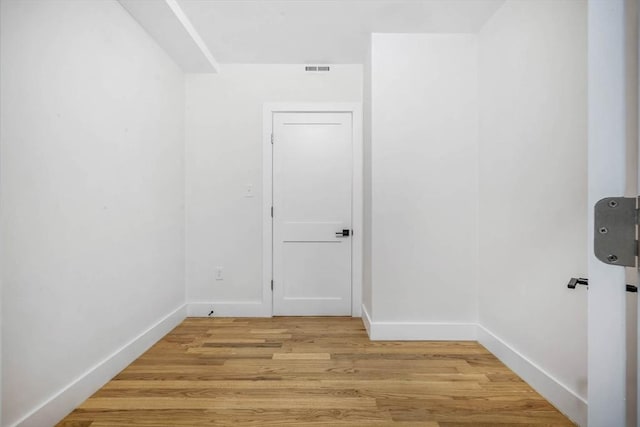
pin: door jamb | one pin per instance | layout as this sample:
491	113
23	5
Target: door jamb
356	199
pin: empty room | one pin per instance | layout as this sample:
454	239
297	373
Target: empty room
319	212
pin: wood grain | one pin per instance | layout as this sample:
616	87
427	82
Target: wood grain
320	371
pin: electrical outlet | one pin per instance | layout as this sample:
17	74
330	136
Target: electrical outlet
219	273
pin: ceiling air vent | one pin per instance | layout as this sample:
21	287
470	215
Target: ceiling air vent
317	68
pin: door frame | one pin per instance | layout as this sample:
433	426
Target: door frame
612	87
355	108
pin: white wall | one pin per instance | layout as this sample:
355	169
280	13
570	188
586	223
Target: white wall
424	182
533	190
92	194
223	156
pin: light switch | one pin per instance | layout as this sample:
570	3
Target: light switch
249	191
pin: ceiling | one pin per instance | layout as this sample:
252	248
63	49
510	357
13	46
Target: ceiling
322	31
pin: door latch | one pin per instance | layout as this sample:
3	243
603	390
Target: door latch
616	224
577	281
344	233
583	281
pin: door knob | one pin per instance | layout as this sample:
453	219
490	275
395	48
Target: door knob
343	233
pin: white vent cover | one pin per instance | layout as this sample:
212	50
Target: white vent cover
317	68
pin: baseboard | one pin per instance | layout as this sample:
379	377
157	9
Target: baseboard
65	401
417	331
567	402
366	319
229	309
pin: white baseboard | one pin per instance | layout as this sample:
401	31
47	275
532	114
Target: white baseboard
366	319
417	331
567	402
229	309
66	400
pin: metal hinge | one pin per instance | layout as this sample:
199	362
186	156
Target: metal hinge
616	227
271	138
271	284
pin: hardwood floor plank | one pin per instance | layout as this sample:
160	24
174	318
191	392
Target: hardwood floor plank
301	356
315	371
228	402
244	417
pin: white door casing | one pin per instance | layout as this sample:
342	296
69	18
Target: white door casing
607	178
312	176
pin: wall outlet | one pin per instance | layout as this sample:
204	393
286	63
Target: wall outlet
219	273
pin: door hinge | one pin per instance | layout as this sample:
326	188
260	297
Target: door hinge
272	139
616	227
271	284
271	211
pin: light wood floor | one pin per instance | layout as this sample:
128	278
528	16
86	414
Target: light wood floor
310	371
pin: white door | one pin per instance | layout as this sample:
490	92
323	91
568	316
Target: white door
611	135
312	192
